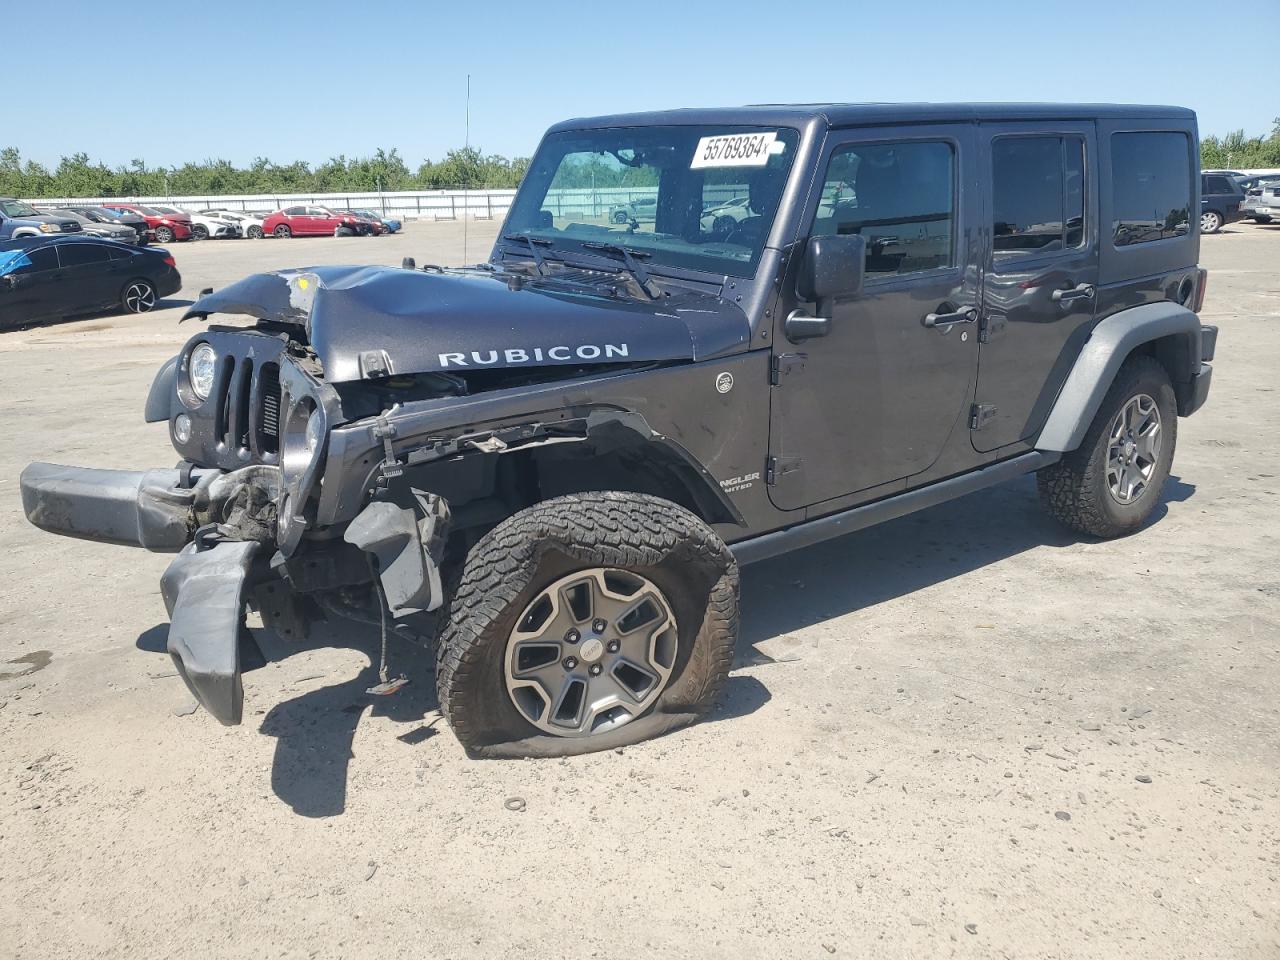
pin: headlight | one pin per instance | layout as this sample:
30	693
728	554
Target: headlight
315	431
50	228
200	370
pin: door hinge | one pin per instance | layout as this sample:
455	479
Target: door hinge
980	414
778	467
989	326
785	364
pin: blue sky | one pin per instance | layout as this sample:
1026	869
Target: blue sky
286	80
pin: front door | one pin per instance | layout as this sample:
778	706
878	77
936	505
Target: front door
874	401
1039	286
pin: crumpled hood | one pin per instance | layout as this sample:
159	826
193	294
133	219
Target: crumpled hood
381	321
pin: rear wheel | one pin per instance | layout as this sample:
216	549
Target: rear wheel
199	231
1109	485
1262	219
1210	221
138	296
254	232
283	232
584	623
164	235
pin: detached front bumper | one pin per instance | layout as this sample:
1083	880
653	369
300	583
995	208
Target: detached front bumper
204	586
136	508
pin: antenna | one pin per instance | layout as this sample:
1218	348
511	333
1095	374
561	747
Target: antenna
466	152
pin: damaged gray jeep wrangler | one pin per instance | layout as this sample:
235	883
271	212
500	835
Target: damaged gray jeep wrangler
551	465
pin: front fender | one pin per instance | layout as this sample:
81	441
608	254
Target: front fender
1110	343
161	394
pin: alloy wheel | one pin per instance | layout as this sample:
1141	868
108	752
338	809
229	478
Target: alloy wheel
1134	449
1210	222
591	652
139	297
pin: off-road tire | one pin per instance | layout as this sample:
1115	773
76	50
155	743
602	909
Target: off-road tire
508	567
1075	491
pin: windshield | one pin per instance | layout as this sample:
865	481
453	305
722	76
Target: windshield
16	208
650	189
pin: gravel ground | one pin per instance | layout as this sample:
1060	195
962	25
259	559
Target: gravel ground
963	733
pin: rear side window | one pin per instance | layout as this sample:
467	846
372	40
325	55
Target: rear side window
75	254
899	196
1150	186
1037	194
1216	183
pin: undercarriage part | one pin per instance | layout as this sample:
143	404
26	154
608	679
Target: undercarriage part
203	590
283	611
243	503
408	543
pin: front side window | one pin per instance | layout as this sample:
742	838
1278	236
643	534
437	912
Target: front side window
30	261
1037	194
295	211
653	190
899	196
16	208
1150	186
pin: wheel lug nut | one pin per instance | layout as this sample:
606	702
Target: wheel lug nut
573	636
595	669
613	646
570	662
598	625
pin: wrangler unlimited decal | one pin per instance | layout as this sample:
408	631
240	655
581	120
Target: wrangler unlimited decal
515	355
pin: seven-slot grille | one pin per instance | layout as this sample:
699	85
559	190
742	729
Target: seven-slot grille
247	410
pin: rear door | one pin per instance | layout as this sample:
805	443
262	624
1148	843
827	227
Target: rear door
90	277
1041	272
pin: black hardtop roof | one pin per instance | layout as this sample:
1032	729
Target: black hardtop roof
872	114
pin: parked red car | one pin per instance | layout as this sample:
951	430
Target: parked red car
166	227
311	221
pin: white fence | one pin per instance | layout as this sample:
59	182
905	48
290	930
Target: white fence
419	204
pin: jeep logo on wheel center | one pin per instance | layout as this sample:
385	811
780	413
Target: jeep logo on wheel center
519	461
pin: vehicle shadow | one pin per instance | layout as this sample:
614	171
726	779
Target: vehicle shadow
881	563
315	730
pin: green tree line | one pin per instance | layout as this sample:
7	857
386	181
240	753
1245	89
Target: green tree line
1237	150
79	176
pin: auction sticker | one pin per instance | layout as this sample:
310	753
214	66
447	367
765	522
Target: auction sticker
736	150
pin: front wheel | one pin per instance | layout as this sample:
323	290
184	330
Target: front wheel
138	296
164	235
1210	221
1109	485
199	232
283	232
584	623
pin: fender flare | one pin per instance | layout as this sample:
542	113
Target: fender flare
161	393
1111	342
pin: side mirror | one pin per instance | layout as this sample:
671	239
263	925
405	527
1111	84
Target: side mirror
832	268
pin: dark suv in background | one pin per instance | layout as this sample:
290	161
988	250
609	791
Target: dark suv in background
1220	200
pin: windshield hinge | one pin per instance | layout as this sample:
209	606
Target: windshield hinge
785	364
778	467
980	414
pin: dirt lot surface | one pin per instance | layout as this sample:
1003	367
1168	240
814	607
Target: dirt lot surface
964	733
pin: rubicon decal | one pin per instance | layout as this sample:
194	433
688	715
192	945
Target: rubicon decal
511	356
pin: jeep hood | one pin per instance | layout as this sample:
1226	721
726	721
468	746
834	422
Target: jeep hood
367	322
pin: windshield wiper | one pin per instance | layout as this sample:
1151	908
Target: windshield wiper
630	260
533	243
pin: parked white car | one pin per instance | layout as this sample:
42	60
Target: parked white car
250	223
205	225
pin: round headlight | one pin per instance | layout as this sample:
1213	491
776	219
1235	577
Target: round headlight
200	370
314	431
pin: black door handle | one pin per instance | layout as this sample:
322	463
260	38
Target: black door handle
967	315
1081	291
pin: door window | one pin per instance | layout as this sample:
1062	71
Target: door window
75	254
295	211
900	197
44	258
1037	194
